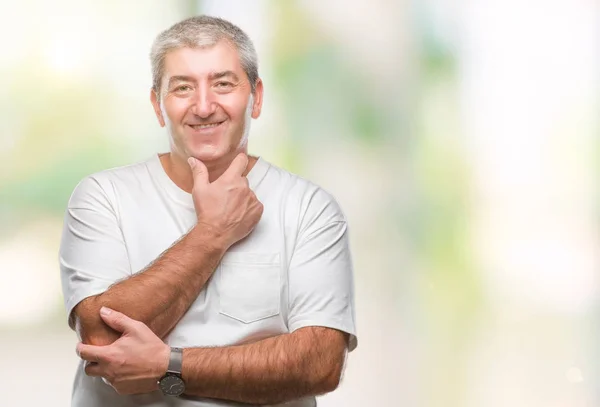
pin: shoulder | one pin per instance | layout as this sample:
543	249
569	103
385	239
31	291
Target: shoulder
102	188
314	205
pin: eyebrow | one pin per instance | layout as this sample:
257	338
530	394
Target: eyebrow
213	76
222	74
180	78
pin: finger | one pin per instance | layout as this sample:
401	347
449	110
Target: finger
117	320
199	171
237	166
92	353
94	370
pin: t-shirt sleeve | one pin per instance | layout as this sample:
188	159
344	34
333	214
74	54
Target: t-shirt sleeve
92	254
321	286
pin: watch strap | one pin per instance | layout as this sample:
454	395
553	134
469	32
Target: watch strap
175	361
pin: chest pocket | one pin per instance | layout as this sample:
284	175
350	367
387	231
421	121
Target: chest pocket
249	286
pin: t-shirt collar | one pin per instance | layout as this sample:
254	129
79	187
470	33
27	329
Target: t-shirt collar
255	176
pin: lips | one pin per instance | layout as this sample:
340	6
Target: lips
205	126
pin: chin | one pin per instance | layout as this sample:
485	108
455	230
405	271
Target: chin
209	153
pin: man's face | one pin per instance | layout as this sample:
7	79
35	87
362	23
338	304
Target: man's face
206	102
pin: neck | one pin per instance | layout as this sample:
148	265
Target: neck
180	172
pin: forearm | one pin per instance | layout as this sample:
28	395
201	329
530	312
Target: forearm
160	294
274	370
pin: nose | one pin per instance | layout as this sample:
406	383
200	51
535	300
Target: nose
204	103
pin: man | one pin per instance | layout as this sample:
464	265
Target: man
203	276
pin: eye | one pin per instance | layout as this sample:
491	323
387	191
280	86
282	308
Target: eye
183	88
223	84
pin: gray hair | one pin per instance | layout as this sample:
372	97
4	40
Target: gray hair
201	32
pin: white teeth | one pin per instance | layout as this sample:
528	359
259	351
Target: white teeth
205	126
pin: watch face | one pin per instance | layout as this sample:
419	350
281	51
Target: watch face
172	385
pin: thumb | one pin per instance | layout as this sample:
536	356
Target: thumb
117	320
199	171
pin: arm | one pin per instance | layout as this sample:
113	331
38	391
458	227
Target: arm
160	294
304	363
307	362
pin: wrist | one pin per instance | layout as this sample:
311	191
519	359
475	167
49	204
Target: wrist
171	383
162	360
209	238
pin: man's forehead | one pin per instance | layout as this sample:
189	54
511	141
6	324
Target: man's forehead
202	61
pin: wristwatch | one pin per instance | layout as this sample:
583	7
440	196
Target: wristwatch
172	384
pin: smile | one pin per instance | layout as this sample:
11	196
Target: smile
205	126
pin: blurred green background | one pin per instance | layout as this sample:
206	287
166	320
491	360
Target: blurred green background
460	138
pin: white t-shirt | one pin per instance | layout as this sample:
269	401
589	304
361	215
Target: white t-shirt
293	270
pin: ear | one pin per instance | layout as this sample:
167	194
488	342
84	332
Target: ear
156	105
258	99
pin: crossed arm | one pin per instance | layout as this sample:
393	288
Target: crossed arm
157	296
227	210
306	362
